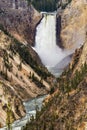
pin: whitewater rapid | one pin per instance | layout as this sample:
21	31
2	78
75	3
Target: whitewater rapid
49	52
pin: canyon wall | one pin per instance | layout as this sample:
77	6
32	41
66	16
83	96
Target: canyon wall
74	24
19	19
21	78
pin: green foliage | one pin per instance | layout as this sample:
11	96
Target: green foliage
20	66
44	5
10	117
38	82
52	90
48	5
47	121
69	84
4	30
26	57
7	66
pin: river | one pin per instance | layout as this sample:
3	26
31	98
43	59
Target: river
30	107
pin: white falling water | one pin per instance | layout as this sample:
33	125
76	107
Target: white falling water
45	44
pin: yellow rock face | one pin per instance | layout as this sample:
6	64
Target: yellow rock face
74	24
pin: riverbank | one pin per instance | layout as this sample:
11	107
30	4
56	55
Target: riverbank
30	107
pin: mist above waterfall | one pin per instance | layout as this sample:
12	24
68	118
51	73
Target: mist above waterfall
45	42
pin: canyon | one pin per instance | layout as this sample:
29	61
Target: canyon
23	62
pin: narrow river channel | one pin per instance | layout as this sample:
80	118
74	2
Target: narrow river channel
30	107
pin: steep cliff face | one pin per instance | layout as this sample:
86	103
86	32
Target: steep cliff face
74	24
83	57
9	97
20	77
19	19
79	58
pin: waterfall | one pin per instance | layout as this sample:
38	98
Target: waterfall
45	44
